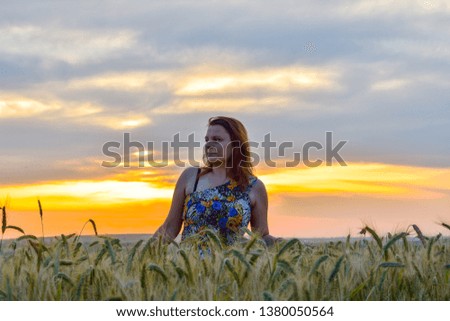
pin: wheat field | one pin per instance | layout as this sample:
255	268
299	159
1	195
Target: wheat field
402	266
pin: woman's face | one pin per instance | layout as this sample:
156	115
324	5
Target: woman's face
217	145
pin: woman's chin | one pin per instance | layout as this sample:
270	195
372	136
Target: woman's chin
215	160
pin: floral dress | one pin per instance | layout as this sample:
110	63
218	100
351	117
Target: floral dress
224	208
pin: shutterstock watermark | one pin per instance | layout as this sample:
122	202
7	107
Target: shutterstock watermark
120	152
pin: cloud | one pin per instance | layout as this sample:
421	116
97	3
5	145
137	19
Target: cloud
373	180
118	122
269	79
74	46
391	84
127	81
244	105
82	110
72	112
20	107
392	8
209	88
423	48
79	193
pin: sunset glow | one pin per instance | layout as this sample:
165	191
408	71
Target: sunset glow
142	189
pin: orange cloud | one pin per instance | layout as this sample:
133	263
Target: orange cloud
138	200
368	179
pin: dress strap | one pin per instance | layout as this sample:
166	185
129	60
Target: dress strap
196	180
251	183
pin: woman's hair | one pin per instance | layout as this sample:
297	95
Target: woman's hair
241	168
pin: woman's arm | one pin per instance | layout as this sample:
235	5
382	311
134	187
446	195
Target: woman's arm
258	219
172	225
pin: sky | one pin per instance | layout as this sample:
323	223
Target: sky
76	75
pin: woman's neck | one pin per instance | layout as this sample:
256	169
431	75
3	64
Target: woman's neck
219	172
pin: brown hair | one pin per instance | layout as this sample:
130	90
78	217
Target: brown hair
242	167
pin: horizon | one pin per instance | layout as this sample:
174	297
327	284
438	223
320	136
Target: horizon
136	236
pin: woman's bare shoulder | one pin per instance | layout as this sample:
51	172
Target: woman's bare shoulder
258	186
257	192
187	177
190	171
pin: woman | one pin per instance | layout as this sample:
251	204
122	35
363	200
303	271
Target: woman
224	195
